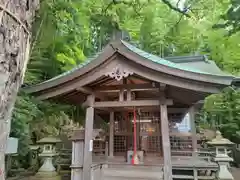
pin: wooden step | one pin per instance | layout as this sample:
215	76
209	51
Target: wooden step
132	173
188	177
136	167
120	178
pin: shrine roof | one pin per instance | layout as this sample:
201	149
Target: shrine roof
189	67
196	63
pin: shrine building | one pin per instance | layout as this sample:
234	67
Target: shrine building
141	97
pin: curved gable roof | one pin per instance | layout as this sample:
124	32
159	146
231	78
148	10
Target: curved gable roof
168	66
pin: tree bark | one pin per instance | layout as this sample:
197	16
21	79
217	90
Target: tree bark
15	23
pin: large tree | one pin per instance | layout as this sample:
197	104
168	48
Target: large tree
15	33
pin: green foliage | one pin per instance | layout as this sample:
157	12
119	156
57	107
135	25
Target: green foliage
224	109
230	20
24	112
31	115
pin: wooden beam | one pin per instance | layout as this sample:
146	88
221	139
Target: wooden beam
165	134
129	95
162	87
132	87
177	110
136	103
88	143
121	95
172	134
89	101
85	90
106	110
166	143
89	91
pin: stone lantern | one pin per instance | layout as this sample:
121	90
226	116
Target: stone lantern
48	145
222	145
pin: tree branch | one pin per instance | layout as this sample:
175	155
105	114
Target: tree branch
178	3
116	2
184	11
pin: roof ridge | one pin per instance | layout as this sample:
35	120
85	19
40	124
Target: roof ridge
190	58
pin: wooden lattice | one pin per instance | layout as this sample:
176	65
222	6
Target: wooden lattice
148	133
149	136
15	24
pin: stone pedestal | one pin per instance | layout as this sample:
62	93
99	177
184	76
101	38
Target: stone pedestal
47	171
47	165
46	176
223	163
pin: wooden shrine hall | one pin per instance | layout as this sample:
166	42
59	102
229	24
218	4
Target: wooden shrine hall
141	97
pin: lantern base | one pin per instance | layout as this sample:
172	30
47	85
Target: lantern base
223	161
224	173
46	176
47	171
47	165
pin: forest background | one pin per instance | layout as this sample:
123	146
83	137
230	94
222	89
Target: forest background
67	32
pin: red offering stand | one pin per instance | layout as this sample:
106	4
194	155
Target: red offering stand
134	157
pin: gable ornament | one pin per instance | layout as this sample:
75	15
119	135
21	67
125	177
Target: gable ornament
119	72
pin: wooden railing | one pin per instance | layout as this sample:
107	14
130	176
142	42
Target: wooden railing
203	154
196	173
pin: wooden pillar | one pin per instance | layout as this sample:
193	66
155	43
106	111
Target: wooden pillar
193	130
111	134
77	155
195	174
166	142
88	143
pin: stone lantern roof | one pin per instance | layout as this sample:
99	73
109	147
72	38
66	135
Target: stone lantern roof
219	140
49	140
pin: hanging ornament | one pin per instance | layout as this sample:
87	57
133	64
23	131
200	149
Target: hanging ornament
119	72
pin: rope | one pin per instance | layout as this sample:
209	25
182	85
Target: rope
2	12
4	9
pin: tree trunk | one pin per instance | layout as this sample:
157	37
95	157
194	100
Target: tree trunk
15	24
